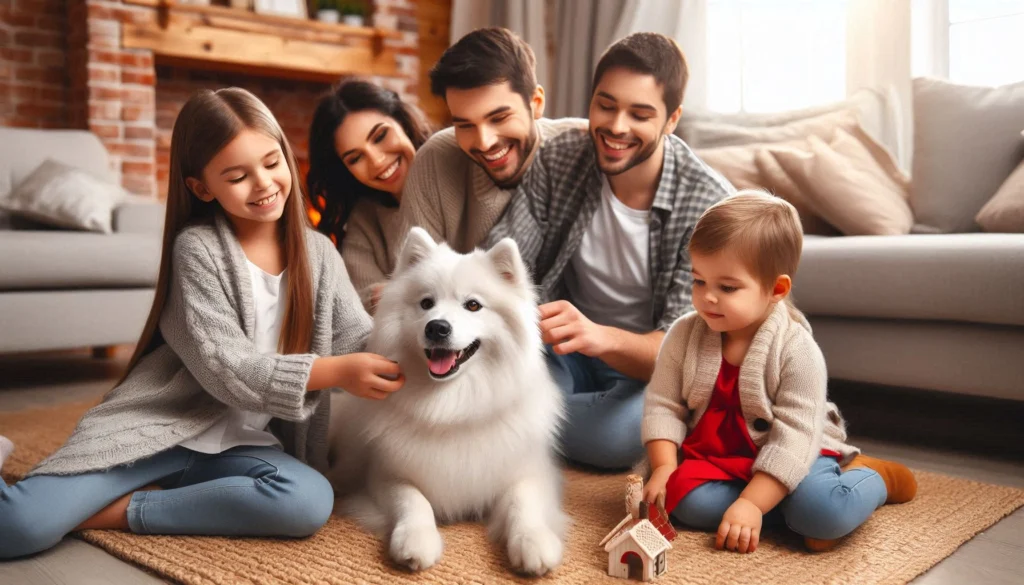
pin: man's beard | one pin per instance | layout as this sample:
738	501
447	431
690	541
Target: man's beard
525	150
645	152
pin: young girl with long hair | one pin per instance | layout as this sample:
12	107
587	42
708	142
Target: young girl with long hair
362	142
220	420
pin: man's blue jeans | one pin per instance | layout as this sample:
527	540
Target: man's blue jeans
604	409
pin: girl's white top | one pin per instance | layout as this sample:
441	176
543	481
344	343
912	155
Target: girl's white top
243	427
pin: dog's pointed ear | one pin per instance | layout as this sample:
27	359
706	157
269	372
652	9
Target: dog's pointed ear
418	245
507	261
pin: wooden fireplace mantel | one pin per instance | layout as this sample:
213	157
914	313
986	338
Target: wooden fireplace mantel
214	37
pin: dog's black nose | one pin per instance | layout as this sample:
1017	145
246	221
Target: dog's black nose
438	330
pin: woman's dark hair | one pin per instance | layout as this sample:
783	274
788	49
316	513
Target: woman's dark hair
333	191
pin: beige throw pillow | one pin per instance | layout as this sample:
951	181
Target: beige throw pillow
966	143
64	196
742	166
735	163
1005	211
776	181
848	187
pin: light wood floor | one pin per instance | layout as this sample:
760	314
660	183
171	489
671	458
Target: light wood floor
994	557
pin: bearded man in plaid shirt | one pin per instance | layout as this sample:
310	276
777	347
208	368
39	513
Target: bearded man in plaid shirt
603	220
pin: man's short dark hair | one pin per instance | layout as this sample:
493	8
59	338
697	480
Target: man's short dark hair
651	54
486	56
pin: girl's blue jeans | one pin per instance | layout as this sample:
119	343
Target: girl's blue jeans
827	504
244	491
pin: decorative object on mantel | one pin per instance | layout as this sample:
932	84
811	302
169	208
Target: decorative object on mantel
294	8
637	546
253	43
327	11
353	12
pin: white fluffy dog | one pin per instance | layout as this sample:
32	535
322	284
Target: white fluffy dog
472	433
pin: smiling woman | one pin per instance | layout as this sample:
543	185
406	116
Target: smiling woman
362	142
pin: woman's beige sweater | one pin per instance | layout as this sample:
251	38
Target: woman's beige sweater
373	236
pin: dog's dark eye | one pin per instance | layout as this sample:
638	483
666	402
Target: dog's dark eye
427	304
472	306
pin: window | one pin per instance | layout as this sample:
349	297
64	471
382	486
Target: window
775	55
975	42
986	41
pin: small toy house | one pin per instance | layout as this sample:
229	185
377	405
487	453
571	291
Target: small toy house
638	553
637	546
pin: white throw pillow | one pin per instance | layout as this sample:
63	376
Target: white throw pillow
966	143
64	196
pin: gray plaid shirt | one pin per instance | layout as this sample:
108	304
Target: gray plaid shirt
554	206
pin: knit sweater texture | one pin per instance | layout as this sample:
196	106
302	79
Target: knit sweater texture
782	387
373	237
208	361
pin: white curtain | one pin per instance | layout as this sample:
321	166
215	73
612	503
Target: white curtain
878	56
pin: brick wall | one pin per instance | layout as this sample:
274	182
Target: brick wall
66	68
33	46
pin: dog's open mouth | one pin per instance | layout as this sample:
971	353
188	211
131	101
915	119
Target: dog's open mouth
445	362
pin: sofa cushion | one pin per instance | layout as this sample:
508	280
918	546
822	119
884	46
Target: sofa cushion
874	109
1005	211
966	143
859	190
32	260
65	196
975	278
22	150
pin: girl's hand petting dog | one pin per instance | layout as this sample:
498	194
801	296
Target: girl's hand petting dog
740	529
368	375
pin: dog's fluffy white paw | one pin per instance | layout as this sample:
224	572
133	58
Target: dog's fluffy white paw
416	547
535	551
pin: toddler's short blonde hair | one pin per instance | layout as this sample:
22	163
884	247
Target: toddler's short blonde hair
763	230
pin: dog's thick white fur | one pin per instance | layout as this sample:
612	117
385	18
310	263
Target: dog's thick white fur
472	433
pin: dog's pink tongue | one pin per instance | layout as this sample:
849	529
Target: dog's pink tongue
441	362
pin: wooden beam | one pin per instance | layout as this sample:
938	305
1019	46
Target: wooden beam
285	22
257	53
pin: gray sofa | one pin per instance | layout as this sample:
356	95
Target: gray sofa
64	289
938	312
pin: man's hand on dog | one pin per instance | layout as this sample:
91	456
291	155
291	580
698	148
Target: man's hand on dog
568	330
368	375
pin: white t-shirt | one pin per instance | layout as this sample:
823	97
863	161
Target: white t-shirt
242	427
609	277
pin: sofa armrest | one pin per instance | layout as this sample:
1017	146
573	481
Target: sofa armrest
139	215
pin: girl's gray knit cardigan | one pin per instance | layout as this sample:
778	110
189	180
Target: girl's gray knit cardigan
209	361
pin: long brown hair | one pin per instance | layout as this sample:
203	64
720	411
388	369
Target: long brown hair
206	124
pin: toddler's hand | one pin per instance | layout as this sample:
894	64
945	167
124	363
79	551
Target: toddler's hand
654	490
368	375
740	529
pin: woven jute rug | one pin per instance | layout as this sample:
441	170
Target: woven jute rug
895	545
